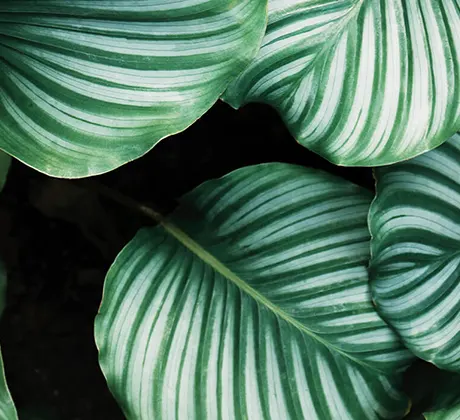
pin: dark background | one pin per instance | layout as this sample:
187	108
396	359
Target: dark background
58	239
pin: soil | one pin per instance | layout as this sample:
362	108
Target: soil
58	238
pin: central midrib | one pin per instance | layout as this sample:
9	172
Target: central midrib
213	262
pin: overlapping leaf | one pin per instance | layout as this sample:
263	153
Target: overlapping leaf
415	265
361	82
252	302
86	86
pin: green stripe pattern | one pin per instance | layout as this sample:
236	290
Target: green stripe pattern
361	82
252	302
415	267
86	86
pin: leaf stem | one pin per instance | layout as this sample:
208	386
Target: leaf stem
124	200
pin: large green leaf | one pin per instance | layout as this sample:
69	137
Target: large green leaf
86	86
415	267
7	409
361	82
252	302
447	400
5	161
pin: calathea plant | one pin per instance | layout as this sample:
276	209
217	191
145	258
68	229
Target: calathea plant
90	85
277	291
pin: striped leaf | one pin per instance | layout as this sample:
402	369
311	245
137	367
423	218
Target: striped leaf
7	409
415	267
447	400
252	302
86	86
361	82
5	161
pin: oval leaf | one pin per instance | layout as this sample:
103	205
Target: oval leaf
7	409
361	82
252	302
415	264
86	86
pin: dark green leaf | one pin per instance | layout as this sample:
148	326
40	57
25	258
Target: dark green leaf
361	82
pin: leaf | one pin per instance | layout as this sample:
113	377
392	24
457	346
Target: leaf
252	302
361	82
86	86
447	401
415	270
5	161
7	409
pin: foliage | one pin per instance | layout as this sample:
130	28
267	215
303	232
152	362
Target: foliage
267	278
415	252
361	82
88	86
276	291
